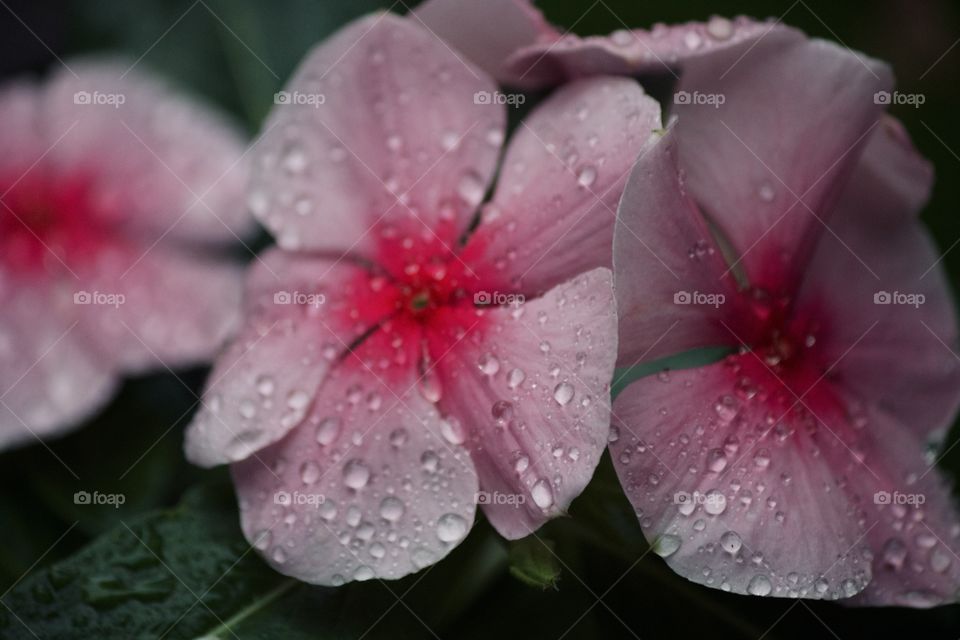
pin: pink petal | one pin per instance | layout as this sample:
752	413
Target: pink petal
51	379
487	32
766	165
729	474
163	163
397	495
915	544
21	134
663	248
664	50
553	212
399	141
899	355
159	308
303	313
530	395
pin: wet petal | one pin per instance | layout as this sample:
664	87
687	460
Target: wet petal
367	487
486	33
158	162
553	212
379	128
665	50
297	327
767	162
674	289
728	474
529	395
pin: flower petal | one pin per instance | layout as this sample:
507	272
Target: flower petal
912	520
889	325
303	313
488	32
553	212
367	485
379	127
165	307
729	474
767	163
664	50
51	378
161	162
664	258
530	393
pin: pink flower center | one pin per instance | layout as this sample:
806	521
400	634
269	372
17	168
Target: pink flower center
45	221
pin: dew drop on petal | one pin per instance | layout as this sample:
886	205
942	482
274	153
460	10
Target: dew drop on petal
451	528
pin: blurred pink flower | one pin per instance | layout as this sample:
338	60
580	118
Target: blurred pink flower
112	188
400	365
781	221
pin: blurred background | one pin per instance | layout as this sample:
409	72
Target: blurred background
67	568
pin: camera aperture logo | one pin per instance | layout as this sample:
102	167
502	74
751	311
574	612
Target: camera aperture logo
97	98
288	499
909	299
498	97
302	99
697	298
885	497
498	298
99	298
299	298
696	98
99	499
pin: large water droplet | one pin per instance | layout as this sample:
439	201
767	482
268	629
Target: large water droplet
355	474
451	528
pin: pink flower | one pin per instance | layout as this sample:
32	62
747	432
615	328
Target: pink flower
112	189
782	223
399	365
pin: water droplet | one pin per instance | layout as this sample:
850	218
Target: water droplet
586	176
399	437
309	472
563	393
356	474
327	431
391	508
265	386
488	364
731	542
515	378
666	545
542	494
451	528
759	585
720	28
714	502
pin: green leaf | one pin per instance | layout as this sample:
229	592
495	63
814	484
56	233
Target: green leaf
533	561
183	572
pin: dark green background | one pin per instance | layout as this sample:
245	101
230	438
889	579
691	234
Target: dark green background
590	582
